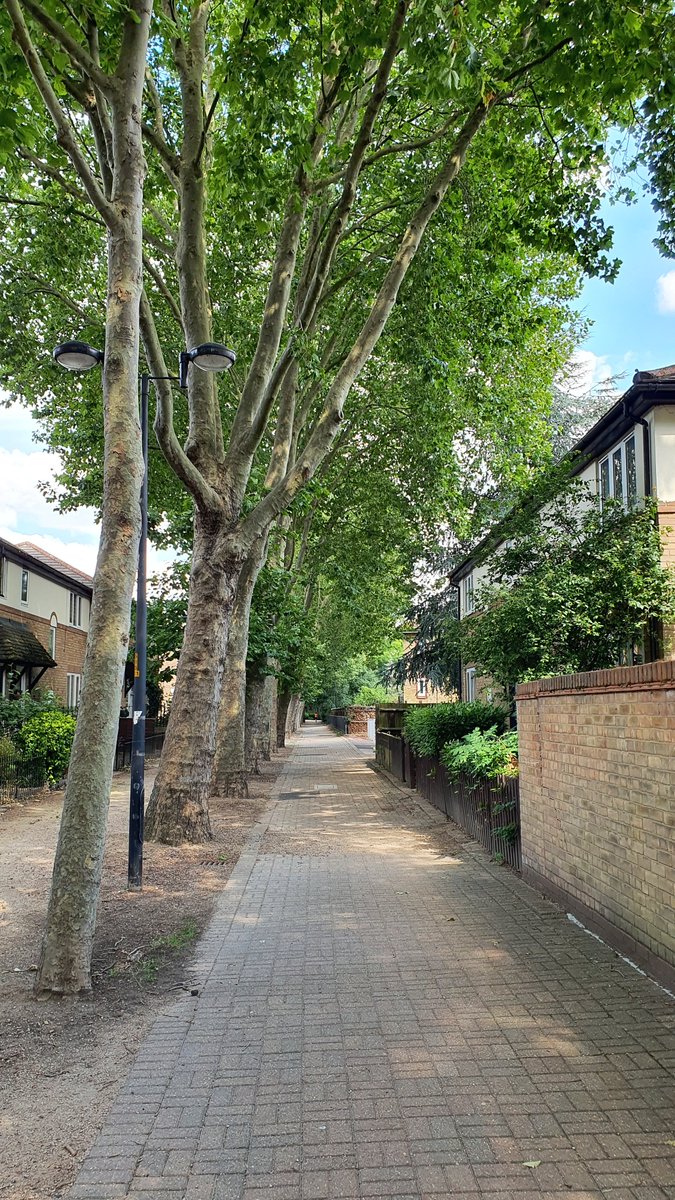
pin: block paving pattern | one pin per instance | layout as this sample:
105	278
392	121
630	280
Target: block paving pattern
383	1012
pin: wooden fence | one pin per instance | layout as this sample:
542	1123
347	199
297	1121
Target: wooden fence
489	810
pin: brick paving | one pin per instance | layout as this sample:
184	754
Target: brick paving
384	1012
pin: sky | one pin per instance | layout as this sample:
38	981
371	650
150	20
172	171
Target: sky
633	329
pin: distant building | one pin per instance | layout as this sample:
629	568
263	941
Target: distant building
44	620
629	454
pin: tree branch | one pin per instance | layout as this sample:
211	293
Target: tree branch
164	289
205	497
64	134
76	53
328	423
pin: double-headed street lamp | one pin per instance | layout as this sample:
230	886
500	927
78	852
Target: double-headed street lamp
79	356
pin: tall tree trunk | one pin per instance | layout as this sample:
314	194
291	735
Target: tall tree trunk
269	721
283	701
178	810
65	959
230	770
256	733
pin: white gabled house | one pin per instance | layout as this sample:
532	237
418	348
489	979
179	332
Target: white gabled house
628	454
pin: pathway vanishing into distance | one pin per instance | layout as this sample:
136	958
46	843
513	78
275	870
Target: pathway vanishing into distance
383	1012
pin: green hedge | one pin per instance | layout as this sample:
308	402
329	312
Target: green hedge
482	755
48	735
429	727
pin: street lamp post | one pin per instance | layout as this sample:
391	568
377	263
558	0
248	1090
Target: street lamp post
79	356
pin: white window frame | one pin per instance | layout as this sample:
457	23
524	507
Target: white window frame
422	687
25	578
468	601
75	613
73	690
3	575
608	460
53	627
470	677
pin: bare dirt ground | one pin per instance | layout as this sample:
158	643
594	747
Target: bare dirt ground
61	1062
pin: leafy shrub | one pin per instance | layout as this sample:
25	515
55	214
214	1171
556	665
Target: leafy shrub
368	695
15	713
482	754
48	735
430	727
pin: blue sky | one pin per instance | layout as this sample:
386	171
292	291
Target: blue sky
633	328
633	318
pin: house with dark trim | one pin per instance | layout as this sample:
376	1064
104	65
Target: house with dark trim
628	454
45	606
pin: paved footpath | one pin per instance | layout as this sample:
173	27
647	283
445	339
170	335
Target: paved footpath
383	1012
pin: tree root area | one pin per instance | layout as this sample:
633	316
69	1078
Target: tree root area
62	1061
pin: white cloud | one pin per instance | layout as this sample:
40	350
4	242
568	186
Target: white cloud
665	293
26	516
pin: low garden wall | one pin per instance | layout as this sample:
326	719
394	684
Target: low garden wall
597	794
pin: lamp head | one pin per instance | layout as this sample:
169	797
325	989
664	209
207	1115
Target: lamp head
77	356
212	356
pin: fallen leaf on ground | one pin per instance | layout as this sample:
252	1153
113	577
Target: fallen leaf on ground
534	1162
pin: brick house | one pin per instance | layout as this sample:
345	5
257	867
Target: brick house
629	453
44	619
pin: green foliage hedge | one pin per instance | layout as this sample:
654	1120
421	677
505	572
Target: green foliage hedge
428	728
15	713
482	755
48	735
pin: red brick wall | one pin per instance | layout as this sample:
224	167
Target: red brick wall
70	647
597	798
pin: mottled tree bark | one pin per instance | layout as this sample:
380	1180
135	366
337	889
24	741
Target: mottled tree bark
117	194
256	735
283	701
230	776
178	810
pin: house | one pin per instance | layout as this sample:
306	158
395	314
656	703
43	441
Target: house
420	690
629	453
44	619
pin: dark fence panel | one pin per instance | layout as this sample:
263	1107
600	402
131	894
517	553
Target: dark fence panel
489	811
339	721
389	753
153	748
21	776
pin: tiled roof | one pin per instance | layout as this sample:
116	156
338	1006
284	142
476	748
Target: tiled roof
20	647
56	564
657	373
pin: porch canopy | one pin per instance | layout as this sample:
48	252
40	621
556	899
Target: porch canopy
21	652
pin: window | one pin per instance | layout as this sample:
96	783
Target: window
53	626
24	587
471	683
75	617
73	685
468	595
618	474
422	687
3	576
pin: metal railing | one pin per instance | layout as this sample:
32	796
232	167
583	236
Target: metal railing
20	776
153	748
339	721
489	810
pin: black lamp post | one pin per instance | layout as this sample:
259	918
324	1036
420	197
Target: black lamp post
78	356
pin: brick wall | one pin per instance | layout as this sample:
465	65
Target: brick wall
70	647
597	799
